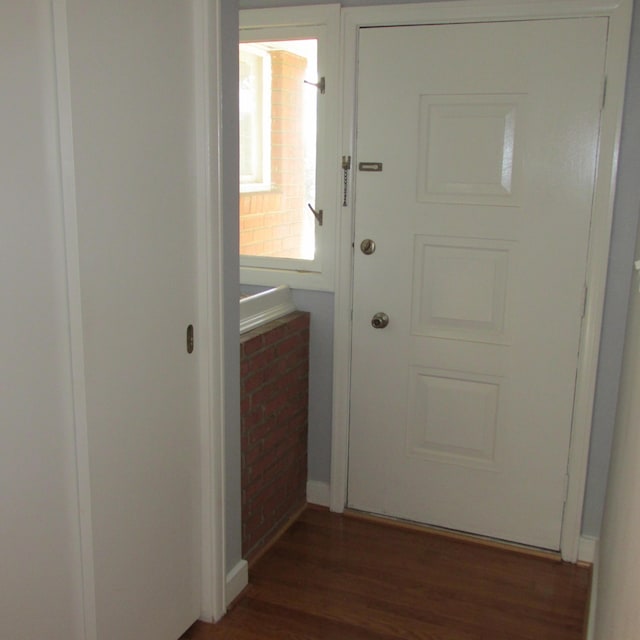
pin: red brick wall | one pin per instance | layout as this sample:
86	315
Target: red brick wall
271	221
274	362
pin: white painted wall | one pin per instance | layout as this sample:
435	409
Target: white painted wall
618	589
39	536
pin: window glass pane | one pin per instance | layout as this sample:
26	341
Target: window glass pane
278	114
254	118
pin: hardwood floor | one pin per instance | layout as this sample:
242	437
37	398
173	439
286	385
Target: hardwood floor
334	577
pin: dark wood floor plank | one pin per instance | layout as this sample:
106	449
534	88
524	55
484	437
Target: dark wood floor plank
334	577
448	598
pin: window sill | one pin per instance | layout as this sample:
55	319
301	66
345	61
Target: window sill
298	279
251	189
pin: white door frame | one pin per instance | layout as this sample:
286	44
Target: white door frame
619	15
207	38
207	29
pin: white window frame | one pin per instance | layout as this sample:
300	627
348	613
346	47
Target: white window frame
261	180
295	23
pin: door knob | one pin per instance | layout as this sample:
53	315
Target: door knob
380	320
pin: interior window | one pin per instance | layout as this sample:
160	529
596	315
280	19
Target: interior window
289	163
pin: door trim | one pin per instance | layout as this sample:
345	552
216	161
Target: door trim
619	15
207	30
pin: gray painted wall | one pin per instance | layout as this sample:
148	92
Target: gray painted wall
231	278
625	220
617	297
616	588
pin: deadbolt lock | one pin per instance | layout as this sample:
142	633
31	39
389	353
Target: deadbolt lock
367	246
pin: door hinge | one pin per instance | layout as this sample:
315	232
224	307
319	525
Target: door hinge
585	294
346	167
566	488
604	93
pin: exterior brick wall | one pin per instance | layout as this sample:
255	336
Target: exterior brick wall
271	221
274	362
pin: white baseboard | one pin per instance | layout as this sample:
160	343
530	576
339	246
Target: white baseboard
237	580
593	597
318	493
587	548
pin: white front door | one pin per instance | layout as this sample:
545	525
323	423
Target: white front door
480	209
